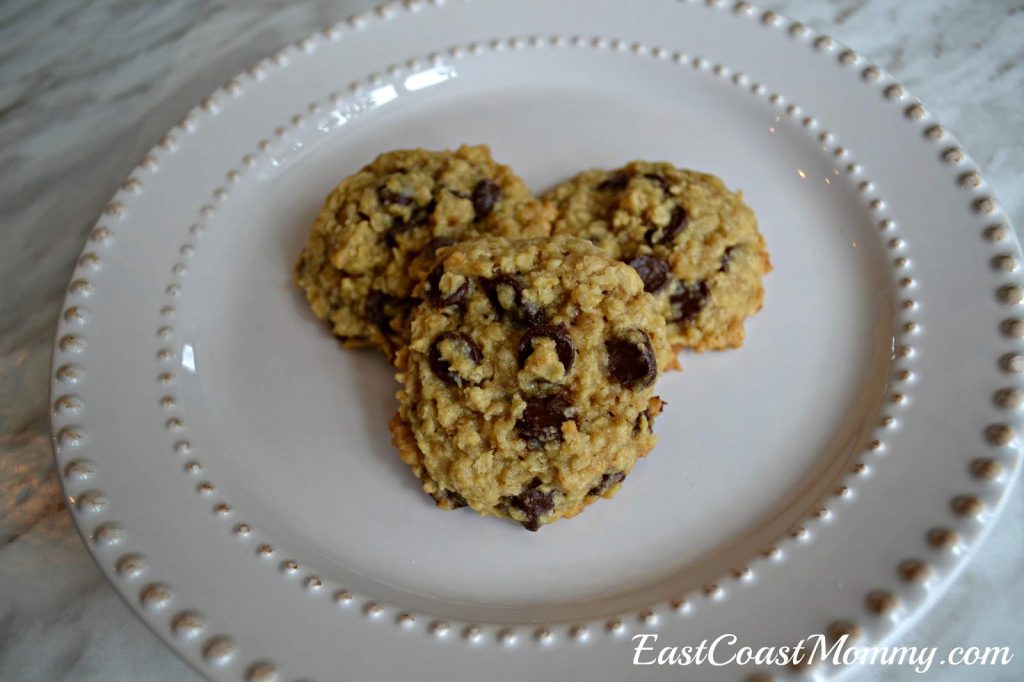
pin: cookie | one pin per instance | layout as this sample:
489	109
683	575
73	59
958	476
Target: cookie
378	232
694	243
528	382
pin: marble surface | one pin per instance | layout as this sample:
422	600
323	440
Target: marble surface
87	87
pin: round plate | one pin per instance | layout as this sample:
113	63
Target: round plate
232	469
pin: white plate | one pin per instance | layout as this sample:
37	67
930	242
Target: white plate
231	467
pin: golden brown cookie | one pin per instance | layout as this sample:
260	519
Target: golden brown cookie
694	243
377	233
528	382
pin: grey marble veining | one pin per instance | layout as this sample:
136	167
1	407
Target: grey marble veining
87	86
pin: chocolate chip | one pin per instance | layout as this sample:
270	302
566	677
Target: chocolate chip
631	360
503	280
419	216
543	418
723	265
689	301
437	243
398	226
534	503
666	186
441	367
523	313
422	213
676	224
563	344
375	311
437	297
653	271
646	414
485	195
606	482
389	197
615	182
457	500
527	315
380	309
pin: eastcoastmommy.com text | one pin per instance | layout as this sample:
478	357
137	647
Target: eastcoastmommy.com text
725	650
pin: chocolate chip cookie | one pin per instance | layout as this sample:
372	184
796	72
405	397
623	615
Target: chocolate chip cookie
528	381
379	230
694	243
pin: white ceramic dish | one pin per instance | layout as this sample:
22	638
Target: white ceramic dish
231	468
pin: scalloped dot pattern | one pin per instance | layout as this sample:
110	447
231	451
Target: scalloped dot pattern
221	649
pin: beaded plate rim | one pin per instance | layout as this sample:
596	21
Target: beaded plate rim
71	443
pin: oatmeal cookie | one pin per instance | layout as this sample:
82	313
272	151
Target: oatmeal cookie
379	230
694	243
528	382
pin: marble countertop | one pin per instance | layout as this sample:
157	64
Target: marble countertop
87	87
